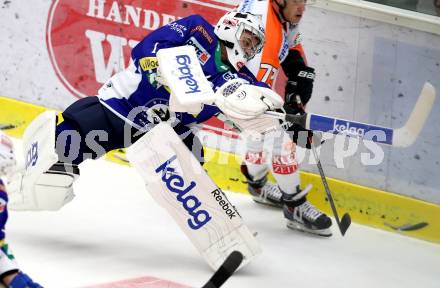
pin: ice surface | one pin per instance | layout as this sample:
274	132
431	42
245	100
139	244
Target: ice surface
113	230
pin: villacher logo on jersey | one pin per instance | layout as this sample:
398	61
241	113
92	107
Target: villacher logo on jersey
176	184
184	61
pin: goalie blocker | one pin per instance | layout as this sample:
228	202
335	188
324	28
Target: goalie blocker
177	181
237	99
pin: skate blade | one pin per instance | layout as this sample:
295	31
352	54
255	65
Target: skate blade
296	226
267	203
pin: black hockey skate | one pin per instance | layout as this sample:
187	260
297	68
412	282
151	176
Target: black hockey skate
266	194
262	191
302	215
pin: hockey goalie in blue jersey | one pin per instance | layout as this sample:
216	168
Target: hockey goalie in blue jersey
181	74
134	100
136	95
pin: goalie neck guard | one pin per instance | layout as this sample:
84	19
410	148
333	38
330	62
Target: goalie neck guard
243	36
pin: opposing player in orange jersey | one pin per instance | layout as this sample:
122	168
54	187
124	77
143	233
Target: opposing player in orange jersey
282	50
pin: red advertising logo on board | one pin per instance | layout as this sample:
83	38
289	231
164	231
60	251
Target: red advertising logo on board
90	40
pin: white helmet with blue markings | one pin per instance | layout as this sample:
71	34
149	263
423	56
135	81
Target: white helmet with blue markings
243	36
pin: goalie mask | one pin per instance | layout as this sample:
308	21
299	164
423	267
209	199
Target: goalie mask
243	36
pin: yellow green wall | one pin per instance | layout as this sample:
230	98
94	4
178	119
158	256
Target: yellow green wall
365	205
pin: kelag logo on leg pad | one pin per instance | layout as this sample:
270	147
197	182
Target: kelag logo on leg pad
176	184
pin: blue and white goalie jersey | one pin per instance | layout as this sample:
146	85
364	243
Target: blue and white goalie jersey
138	98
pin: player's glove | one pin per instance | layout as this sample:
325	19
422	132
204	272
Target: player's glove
7	157
300	83
301	136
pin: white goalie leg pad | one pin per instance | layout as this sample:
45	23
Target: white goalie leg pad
178	182
34	187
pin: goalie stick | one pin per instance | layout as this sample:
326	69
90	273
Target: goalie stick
225	271
398	137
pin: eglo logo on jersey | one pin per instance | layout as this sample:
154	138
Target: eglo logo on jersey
176	184
86	39
201	52
184	62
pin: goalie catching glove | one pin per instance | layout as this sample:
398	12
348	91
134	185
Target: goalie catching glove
237	99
